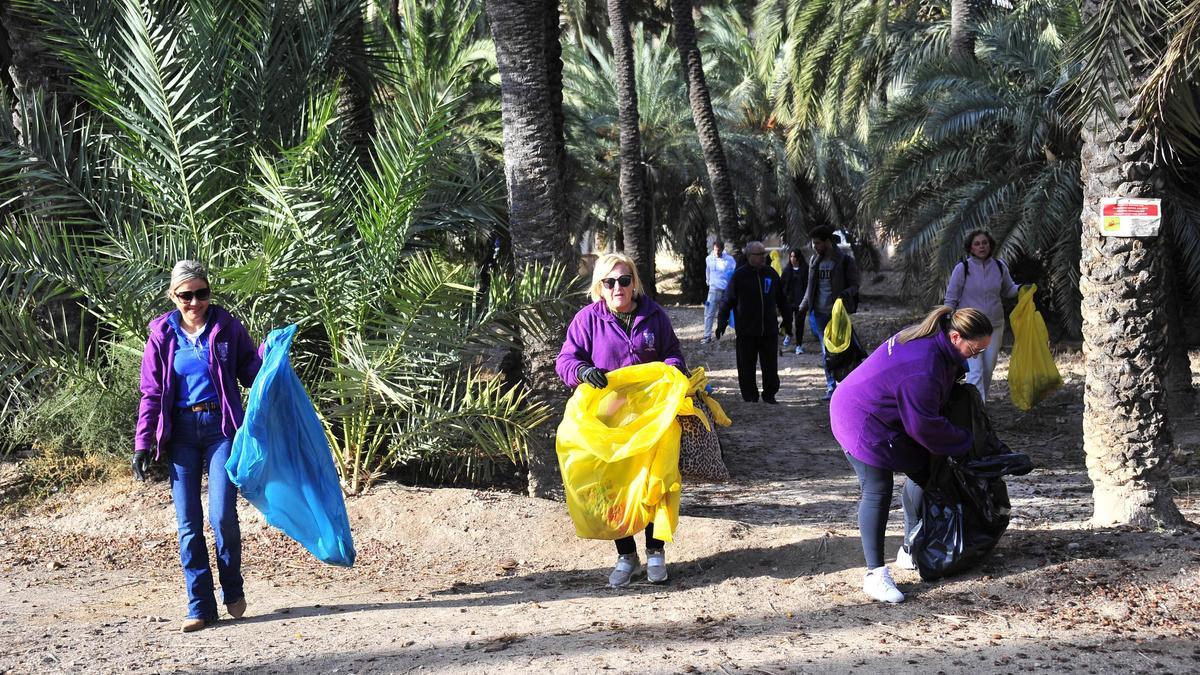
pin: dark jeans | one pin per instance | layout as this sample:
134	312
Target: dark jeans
626	545
797	326
197	448
876	500
751	351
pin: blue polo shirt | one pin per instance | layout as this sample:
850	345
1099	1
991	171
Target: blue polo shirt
193	380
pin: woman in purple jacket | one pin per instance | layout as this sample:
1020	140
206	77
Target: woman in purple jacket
622	327
887	417
190	409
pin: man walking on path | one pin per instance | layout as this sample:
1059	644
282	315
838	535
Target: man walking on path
755	294
718	268
831	275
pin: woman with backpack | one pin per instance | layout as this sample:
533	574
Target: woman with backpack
981	280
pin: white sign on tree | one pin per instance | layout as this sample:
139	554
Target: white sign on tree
1130	217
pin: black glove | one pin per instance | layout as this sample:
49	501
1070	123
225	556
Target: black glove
720	331
593	376
141	464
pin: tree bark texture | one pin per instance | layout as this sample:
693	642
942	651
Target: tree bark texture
533	174
963	16
1126	434
639	245
706	125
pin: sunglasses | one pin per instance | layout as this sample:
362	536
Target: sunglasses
200	294
625	280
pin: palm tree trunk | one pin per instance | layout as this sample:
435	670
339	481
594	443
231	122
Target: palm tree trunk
963	15
706	125
632	176
533	174
1126	435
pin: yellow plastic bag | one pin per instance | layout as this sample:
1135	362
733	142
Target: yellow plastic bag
1032	374
698	388
618	451
839	330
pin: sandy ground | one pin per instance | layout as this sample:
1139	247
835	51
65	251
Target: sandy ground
766	570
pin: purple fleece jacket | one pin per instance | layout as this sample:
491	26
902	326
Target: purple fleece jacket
232	358
596	338
887	413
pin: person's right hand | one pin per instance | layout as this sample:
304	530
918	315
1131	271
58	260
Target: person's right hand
140	464
720	332
593	376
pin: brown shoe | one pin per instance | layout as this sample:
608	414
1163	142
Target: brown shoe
237	608
192	625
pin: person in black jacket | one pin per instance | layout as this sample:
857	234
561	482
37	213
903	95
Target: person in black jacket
795	285
755	294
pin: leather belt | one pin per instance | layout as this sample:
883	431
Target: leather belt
207	406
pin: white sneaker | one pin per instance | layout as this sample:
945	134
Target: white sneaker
799	350
879	585
623	572
656	566
787	340
904	559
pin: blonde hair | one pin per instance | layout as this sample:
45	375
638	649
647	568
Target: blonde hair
605	265
970	323
184	271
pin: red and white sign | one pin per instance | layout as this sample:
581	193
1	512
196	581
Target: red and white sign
1129	217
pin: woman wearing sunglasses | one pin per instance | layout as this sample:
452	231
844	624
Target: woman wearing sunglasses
622	327
887	417
190	408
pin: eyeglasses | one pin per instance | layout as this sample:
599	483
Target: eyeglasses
976	351
200	294
625	280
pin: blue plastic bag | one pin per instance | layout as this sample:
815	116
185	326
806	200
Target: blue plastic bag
282	463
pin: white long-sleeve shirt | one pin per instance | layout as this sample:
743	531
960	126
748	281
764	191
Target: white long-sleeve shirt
718	271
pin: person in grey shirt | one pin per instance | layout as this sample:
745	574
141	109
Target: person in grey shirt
831	275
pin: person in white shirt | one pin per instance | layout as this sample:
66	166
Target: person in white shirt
718	269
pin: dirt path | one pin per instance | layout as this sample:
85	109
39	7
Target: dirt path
766	571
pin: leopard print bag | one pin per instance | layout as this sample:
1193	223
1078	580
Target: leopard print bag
700	450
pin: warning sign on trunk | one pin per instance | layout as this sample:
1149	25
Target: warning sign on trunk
1130	217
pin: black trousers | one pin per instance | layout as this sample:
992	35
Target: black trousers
753	351
798	326
626	545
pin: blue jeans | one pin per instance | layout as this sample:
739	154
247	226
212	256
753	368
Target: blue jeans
197	446
817	323
711	306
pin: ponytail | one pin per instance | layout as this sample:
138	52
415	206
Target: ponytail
970	323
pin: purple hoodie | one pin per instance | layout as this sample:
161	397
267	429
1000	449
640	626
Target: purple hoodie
887	413
232	358
596	338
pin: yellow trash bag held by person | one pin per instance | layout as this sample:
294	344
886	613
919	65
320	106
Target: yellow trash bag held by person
618	451
843	352
1032	374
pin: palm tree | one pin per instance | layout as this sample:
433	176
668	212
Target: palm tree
963	15
706	123
1127	438
533	173
217	135
985	144
632	175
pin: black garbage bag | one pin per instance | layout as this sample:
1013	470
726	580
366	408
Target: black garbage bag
840	364
965	509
